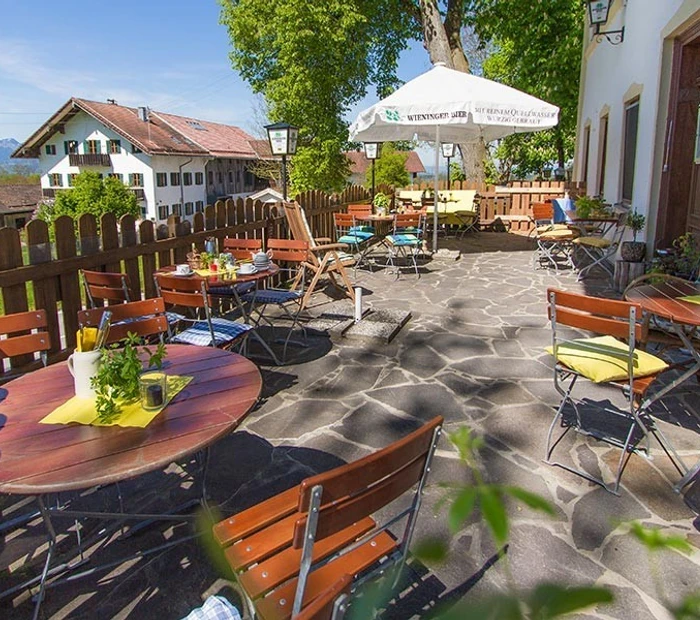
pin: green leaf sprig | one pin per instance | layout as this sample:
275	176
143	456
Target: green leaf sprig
117	380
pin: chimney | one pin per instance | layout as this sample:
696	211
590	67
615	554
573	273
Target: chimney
143	114
112	101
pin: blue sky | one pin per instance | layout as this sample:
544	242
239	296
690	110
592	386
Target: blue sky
172	57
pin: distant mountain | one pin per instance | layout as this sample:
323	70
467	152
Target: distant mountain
7	147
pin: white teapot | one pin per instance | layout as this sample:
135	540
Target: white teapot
261	259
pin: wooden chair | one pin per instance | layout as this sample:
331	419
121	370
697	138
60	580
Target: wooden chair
242	249
114	287
554	241
405	239
207	330
290	256
358	211
291	548
143	318
612	357
324	258
23	333
599	251
331	604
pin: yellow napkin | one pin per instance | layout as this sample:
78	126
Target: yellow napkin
86	338
82	410
693	299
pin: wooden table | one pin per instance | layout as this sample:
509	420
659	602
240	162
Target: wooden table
40	459
662	300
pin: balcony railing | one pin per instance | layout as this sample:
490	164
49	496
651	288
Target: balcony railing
90	159
139	193
48	192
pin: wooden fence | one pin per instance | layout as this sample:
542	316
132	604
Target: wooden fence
46	267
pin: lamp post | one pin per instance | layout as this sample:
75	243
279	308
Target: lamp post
598	11
283	141
371	152
448	152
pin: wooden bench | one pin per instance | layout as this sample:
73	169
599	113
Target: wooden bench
292	547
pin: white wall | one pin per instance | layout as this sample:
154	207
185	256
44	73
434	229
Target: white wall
611	76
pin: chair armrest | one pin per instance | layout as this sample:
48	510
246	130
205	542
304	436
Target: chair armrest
330	246
323	239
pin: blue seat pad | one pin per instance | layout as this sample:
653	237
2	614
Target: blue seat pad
224	332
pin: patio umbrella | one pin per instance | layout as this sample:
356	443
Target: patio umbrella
452	106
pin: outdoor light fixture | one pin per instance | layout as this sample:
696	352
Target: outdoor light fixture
448	152
372	152
598	14
283	141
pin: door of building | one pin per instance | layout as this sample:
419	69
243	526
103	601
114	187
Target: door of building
693	223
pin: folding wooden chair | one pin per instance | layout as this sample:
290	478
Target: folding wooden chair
143	318
331	604
23	333
114	287
359	211
206	330
554	241
600	250
324	258
612	357
350	232
242	249
405	239
291	548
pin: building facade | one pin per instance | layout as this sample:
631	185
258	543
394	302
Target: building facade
175	165
638	115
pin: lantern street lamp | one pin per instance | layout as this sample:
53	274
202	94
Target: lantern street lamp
372	152
598	11
448	152
283	141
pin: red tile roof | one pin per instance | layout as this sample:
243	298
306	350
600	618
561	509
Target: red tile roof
359	162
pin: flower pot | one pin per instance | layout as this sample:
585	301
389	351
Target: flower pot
633	251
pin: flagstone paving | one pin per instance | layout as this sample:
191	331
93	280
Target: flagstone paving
473	353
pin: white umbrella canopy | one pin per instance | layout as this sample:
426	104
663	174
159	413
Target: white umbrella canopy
451	106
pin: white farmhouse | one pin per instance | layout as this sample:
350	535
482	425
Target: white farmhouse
175	165
638	115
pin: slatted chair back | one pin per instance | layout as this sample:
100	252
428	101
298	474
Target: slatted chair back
241	249
143	318
602	316
288	250
186	292
298	225
15	339
331	604
360	210
407	221
335	500
114	287
343	222
542	213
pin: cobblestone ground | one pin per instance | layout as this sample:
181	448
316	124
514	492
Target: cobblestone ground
472	352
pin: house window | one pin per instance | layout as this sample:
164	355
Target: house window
56	180
115	146
177	209
174	178
187	178
219	177
71	179
210	177
163	212
629	149
161	179
92	147
136	179
230	176
50	149
70	147
198	178
116	175
586	150
199	206
602	155
135	149
697	139
189	208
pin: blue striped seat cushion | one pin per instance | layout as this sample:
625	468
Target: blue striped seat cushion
272	296
227	291
412	230
363	229
403	240
355	238
224	332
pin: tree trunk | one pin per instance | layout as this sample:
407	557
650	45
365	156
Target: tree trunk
443	42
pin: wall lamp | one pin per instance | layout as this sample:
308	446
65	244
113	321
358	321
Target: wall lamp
598	14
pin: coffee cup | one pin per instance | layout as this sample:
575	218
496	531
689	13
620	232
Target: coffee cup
182	270
83	365
246	268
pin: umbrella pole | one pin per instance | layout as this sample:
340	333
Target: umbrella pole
437	176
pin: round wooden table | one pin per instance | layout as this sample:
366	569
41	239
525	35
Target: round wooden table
36	459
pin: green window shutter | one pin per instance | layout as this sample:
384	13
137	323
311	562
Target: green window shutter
131	179
65	146
98	145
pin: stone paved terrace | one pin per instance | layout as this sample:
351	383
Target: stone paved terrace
472	352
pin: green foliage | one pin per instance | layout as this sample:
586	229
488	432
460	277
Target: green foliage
91	194
635	222
312	62
655	540
587	206
381	201
456	172
117	380
20	175
389	168
543	60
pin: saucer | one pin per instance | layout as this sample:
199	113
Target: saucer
183	275
247	272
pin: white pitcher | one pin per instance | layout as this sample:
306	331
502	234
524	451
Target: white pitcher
83	365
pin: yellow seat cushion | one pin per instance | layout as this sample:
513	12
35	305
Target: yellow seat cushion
604	358
593	242
557	235
551	227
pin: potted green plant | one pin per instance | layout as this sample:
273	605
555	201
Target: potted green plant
634	251
381	203
587	207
